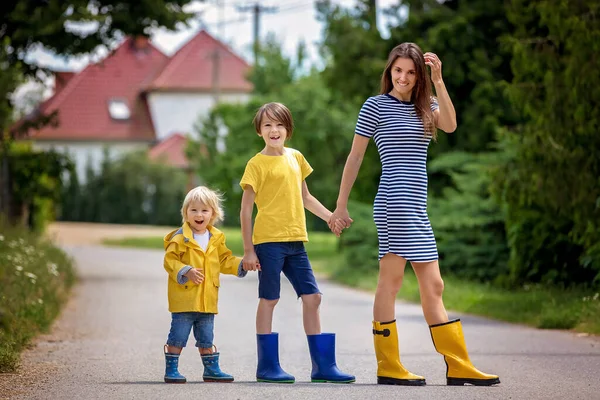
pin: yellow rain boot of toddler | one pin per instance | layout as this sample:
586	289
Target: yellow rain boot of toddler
390	370
449	341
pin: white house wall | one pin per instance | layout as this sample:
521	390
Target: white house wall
179	112
93	152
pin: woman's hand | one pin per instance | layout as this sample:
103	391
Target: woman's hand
339	219
436	66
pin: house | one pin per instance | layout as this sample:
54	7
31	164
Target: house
137	97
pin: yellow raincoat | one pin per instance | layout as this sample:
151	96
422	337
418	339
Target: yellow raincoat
181	250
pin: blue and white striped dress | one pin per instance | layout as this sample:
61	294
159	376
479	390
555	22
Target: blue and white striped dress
400	208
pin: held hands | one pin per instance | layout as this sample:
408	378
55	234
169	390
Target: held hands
339	220
436	66
250	261
195	275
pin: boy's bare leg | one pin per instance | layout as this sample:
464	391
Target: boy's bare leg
203	351
174	350
264	316
310	313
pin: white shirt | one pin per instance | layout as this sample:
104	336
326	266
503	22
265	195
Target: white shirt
202	239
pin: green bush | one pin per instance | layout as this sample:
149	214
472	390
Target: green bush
130	190
551	185
35	278
35	184
467	221
544	237
358	245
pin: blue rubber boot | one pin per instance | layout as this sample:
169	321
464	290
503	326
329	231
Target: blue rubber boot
212	371
172	374
268	369
322	354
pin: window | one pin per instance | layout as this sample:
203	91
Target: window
118	109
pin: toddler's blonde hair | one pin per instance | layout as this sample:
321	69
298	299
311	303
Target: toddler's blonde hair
207	197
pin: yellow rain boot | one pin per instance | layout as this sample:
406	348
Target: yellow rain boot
449	341
390	370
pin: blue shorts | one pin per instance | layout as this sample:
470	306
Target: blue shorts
289	258
183	322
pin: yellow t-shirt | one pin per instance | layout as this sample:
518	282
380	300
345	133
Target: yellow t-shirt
277	182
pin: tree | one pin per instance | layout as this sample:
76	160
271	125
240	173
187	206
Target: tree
353	50
551	184
130	190
467	220
273	70
467	36
67	28
79	26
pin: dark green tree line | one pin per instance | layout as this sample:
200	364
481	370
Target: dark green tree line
551	186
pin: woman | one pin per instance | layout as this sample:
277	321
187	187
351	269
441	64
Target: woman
402	120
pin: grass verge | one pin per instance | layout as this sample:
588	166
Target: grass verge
537	306
35	278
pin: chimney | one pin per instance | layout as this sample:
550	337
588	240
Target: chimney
61	78
140	42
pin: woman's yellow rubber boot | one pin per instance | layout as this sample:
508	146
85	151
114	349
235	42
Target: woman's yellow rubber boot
390	370
449	341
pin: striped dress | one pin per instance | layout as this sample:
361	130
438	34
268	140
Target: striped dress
400	209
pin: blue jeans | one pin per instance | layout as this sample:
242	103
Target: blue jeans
183	322
289	258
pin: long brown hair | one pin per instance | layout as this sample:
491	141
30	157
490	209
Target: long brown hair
422	94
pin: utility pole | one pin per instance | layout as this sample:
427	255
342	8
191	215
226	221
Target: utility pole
221	4
372	4
215	57
257	10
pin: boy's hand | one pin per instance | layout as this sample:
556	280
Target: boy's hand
337	226
250	262
195	275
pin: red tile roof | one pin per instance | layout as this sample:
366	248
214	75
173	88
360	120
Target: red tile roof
129	73
171	151
191	67
82	103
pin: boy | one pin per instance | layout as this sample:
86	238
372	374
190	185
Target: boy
274	180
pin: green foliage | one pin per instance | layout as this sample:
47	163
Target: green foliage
551	183
273	70
466	35
10	78
130	190
58	24
467	221
353	49
35	278
358	245
37	181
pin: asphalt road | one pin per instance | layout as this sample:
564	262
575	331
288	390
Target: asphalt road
108	344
